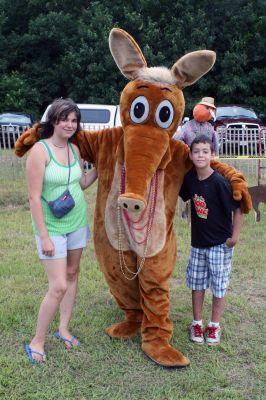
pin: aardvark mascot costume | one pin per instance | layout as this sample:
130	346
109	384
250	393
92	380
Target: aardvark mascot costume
140	171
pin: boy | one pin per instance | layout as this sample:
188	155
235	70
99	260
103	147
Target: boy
212	237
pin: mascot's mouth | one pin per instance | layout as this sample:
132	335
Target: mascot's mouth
141	229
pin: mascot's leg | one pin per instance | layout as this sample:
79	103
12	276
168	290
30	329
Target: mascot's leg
126	292
156	326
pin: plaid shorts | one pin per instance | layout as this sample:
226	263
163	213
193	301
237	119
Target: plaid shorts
209	267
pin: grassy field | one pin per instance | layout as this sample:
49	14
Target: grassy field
117	370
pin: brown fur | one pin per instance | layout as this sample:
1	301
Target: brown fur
143	149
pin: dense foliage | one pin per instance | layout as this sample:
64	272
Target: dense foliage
60	48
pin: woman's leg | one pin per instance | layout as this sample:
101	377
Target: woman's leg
67	303
56	272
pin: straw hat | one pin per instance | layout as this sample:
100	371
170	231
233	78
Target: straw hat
207	101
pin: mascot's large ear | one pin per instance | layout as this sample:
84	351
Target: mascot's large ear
192	66
126	53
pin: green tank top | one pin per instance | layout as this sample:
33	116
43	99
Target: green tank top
54	184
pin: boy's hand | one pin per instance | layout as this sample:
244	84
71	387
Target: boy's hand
230	242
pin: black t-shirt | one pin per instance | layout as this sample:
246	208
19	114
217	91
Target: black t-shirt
212	204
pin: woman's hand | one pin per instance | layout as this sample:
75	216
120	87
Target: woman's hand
88	178
47	247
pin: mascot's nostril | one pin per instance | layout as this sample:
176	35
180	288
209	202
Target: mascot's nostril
131	205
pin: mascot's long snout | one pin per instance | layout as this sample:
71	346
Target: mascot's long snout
144	152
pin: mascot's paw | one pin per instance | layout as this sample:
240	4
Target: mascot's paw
238	183
124	329
161	352
26	141
241	193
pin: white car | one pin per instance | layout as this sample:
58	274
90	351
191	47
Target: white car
96	116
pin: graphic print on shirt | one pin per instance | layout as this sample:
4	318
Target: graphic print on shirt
200	206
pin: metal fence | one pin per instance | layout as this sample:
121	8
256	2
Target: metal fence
243	142
233	142
12	168
9	135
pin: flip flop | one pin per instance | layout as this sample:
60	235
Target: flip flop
30	351
65	340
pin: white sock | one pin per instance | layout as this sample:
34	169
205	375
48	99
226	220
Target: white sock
214	324
194	322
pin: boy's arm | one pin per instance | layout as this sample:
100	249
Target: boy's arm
184	193
237	223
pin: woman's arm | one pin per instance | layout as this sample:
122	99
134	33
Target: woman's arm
87	178
35	168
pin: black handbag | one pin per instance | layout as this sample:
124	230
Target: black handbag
65	202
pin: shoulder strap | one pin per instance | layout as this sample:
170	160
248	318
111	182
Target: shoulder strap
73	151
47	148
69	168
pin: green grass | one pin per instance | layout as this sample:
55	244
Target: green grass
117	370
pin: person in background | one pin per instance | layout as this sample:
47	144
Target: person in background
213	237
60	241
203	112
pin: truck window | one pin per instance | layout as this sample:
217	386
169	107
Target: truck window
95	116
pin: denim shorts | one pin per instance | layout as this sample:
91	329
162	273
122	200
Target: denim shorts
62	243
209	267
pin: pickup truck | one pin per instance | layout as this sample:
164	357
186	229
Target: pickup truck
240	130
96	116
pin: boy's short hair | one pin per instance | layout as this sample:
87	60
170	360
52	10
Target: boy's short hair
202	139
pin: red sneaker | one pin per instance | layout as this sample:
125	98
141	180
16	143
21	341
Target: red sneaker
196	334
212	335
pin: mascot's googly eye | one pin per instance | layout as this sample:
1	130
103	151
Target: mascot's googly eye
139	109
164	114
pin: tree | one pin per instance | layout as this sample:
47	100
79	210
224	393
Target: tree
60	48
16	94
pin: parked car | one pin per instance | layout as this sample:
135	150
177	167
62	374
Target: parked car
12	124
240	130
96	116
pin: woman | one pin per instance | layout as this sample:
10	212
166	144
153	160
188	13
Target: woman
51	163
